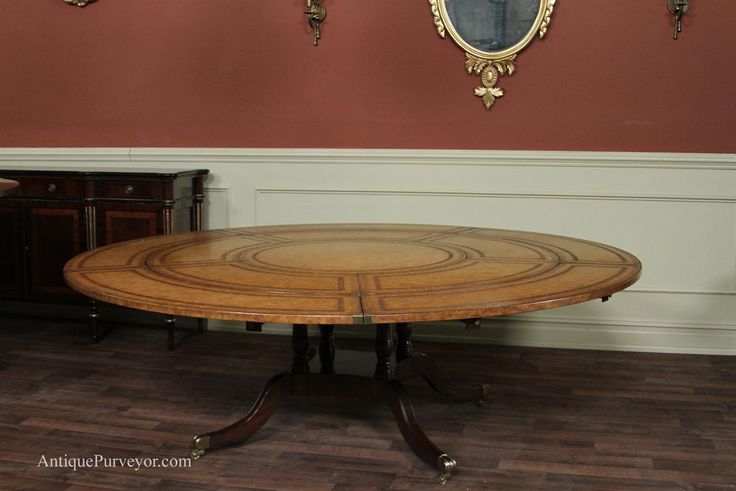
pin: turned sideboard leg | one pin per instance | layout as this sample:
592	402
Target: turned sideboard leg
93	316
170	326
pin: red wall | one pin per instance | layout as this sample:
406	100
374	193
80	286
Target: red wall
243	73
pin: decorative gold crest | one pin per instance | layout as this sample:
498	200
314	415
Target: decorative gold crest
492	33
79	3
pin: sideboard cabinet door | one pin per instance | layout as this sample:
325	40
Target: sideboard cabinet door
116	223
54	235
11	254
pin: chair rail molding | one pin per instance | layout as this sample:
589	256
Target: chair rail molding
676	212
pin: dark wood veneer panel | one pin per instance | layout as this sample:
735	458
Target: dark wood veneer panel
54	238
11	254
128	225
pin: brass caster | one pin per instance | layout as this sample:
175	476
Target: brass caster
447	466
201	443
480	402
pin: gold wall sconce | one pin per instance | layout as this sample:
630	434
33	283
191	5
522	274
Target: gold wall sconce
678	8
78	3
316	14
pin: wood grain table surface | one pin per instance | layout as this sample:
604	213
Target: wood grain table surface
351	273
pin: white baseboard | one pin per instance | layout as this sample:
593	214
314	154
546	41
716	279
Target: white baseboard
541	334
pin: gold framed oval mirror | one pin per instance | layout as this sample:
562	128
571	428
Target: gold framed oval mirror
492	33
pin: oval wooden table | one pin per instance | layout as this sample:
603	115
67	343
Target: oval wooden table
386	276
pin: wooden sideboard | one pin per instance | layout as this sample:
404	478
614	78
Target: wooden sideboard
57	213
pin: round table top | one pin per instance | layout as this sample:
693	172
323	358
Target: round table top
351	273
6	185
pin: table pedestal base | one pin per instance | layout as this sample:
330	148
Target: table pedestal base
383	387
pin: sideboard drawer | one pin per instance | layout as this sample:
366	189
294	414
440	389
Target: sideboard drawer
49	187
130	189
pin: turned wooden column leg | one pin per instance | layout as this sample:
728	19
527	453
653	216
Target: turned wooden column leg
327	349
93	315
300	344
397	399
384	345
404	346
273	392
170	325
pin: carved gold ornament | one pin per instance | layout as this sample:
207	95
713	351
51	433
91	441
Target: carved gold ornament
78	3
492	33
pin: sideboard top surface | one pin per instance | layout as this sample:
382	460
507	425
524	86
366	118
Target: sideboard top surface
86	172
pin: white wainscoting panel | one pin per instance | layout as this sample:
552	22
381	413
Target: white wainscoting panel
676	212
217	206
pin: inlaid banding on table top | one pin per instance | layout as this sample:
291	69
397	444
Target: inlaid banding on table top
419	272
461	278
508	295
224	279
174	298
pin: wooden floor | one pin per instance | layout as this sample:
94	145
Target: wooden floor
560	419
